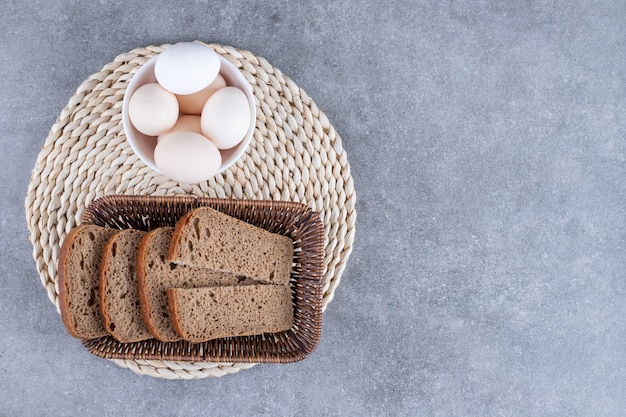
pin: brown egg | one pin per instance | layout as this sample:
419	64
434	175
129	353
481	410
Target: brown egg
185	123
193	103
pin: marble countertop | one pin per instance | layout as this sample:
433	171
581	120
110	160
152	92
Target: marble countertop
487	143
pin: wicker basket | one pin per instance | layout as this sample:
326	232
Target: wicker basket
295	220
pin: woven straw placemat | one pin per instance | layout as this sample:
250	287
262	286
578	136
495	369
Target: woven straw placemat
295	155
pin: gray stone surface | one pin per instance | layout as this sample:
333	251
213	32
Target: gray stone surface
488	149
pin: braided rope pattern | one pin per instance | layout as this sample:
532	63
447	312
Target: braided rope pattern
295	155
181	370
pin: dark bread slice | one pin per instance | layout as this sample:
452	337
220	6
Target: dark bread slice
155	275
119	300
207	238
201	314
79	272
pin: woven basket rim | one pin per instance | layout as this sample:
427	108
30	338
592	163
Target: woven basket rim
301	224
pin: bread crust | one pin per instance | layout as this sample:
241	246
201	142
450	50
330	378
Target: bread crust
280	245
176	235
62	280
142	287
102	282
153	281
70	274
172	304
280	319
103	287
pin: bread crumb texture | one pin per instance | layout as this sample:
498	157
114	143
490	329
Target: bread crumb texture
79	272
156	275
119	297
210	239
201	314
211	276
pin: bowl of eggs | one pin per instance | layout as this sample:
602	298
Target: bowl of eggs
188	113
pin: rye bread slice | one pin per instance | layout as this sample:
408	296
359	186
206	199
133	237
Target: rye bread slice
201	314
207	238
119	299
155	275
79	273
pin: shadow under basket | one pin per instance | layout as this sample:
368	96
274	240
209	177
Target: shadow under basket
295	220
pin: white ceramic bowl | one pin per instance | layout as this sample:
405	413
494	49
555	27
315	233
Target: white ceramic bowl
144	145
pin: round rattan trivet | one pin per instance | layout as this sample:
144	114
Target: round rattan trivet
295	155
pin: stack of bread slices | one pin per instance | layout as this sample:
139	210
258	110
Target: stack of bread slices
209	277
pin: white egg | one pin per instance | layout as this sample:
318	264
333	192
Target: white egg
186	67
226	117
152	109
194	103
187	157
